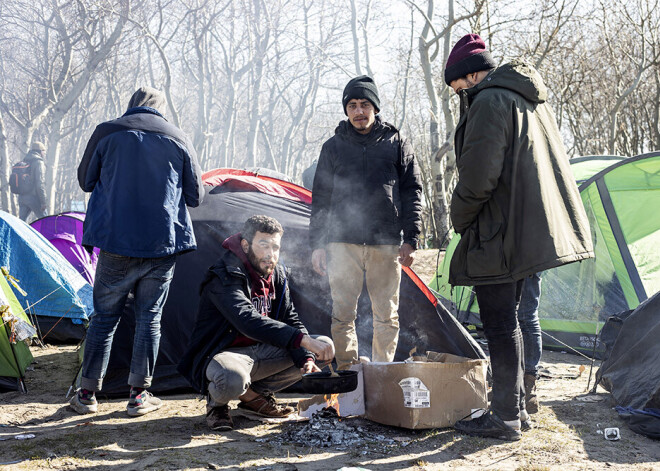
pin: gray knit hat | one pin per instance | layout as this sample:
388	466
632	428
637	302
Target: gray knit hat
361	87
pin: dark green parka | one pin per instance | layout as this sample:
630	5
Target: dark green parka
516	204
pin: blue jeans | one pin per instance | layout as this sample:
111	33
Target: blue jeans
528	318
116	276
497	307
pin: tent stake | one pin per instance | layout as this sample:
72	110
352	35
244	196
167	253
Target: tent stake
593	360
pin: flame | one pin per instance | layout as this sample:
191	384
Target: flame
332	401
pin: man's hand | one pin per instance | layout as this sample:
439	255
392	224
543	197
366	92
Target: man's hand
310	367
322	350
406	255
319	262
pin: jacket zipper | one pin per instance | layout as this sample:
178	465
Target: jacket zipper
364	185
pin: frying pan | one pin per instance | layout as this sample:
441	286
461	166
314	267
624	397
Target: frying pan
324	383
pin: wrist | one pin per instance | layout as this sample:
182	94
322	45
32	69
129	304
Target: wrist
299	340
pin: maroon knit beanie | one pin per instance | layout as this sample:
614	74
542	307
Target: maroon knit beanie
468	55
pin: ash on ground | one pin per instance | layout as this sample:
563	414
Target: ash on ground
326	429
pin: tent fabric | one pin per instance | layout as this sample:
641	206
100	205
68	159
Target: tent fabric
242	180
65	232
14	358
621	203
621	197
586	167
645	422
631	371
54	288
425	323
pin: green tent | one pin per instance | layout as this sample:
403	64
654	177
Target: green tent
14	358
621	197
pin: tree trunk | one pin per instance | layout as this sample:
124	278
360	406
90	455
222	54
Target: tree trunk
5	169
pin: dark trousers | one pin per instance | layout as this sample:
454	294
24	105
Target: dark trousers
25	209
498	307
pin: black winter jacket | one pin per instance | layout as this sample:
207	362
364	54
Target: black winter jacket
367	189
225	309
516	204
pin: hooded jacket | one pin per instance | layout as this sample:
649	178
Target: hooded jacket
516	204
225	310
367	189
142	172
37	197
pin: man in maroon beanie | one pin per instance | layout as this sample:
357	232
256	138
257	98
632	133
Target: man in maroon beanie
248	341
516	207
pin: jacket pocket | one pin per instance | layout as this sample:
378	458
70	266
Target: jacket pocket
485	253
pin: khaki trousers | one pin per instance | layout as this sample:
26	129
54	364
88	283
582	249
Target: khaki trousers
347	266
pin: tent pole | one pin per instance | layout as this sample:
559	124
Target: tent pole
73	382
21	378
35	323
593	360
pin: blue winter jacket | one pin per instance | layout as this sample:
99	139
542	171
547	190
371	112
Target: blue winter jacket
142	172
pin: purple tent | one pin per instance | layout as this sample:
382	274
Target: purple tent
65	231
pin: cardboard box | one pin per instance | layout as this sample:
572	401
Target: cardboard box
433	391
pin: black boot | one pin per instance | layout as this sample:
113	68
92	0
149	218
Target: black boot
531	400
488	425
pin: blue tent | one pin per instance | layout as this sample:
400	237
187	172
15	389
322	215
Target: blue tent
58	295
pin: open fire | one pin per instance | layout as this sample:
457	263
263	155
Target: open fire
332	401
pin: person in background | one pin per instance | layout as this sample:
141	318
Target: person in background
142	172
34	200
248	342
516	206
366	220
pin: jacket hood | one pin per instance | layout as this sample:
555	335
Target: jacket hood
33	155
517	76
149	97
235	256
233	244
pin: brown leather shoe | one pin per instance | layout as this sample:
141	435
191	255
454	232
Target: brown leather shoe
218	418
531	401
266	406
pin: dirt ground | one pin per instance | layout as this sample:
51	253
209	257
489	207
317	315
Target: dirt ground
175	437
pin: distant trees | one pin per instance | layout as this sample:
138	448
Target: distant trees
257	83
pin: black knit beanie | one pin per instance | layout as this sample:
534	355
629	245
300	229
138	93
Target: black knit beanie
469	55
361	87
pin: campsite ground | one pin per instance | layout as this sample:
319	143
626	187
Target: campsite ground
175	437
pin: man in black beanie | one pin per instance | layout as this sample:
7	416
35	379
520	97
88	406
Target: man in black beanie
366	220
516	207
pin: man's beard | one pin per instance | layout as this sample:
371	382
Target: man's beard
255	262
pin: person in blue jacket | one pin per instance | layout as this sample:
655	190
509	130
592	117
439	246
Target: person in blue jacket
142	172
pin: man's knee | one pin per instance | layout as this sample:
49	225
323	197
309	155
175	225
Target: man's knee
228	381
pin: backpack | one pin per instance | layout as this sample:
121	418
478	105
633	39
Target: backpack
20	179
